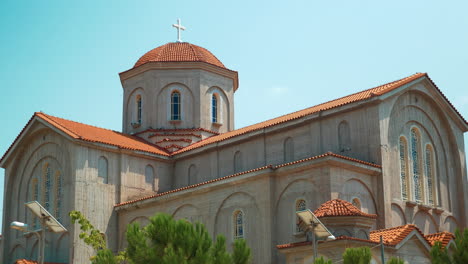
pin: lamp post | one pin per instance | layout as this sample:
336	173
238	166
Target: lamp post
47	222
39	233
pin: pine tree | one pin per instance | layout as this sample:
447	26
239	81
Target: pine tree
440	254
395	261
322	260
360	255
164	240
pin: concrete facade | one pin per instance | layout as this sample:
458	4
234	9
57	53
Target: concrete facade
263	173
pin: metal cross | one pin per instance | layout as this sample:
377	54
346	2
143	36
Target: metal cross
179	28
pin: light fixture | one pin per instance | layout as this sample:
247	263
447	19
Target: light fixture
19	226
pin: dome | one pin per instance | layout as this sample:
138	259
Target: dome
179	52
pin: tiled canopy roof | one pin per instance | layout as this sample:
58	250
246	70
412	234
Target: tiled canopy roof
391	237
394	235
443	237
338	207
179	52
100	135
25	261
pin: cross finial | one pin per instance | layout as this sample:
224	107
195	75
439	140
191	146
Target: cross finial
179	28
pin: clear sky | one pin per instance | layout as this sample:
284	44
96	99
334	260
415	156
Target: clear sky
63	57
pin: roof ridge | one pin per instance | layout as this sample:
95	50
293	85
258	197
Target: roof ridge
48	117
69	120
302	112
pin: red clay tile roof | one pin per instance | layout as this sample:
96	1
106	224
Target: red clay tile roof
360	96
25	261
328	154
338	207
444	237
394	235
306	243
391	237
179	52
100	135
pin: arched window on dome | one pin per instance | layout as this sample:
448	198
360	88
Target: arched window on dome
103	169
416	160
430	175
139	109
403	145
288	147
175	106
58	196
238	224
300	205
46	186
214	108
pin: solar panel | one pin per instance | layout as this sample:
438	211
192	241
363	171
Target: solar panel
42	213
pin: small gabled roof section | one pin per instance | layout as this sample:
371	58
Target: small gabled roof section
338	207
395	235
80	131
100	135
444	237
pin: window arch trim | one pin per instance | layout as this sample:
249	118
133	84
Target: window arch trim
238	228
176	105
297	207
103	172
416	162
139	108
430	180
405	182
215	108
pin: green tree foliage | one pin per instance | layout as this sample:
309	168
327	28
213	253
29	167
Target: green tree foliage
395	261
459	252
322	260
360	255
164	240
94	238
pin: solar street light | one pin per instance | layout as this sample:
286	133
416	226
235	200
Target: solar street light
309	222
47	222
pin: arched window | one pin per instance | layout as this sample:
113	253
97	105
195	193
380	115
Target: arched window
149	174
356	202
139	109
175	105
416	155
300	206
214	108
103	169
238	224
404	168
430	174
192	174
344	137
35	197
238	162
288	150
58	196
46	185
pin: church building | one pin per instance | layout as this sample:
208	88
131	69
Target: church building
385	162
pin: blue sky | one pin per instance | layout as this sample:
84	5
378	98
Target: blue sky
63	57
